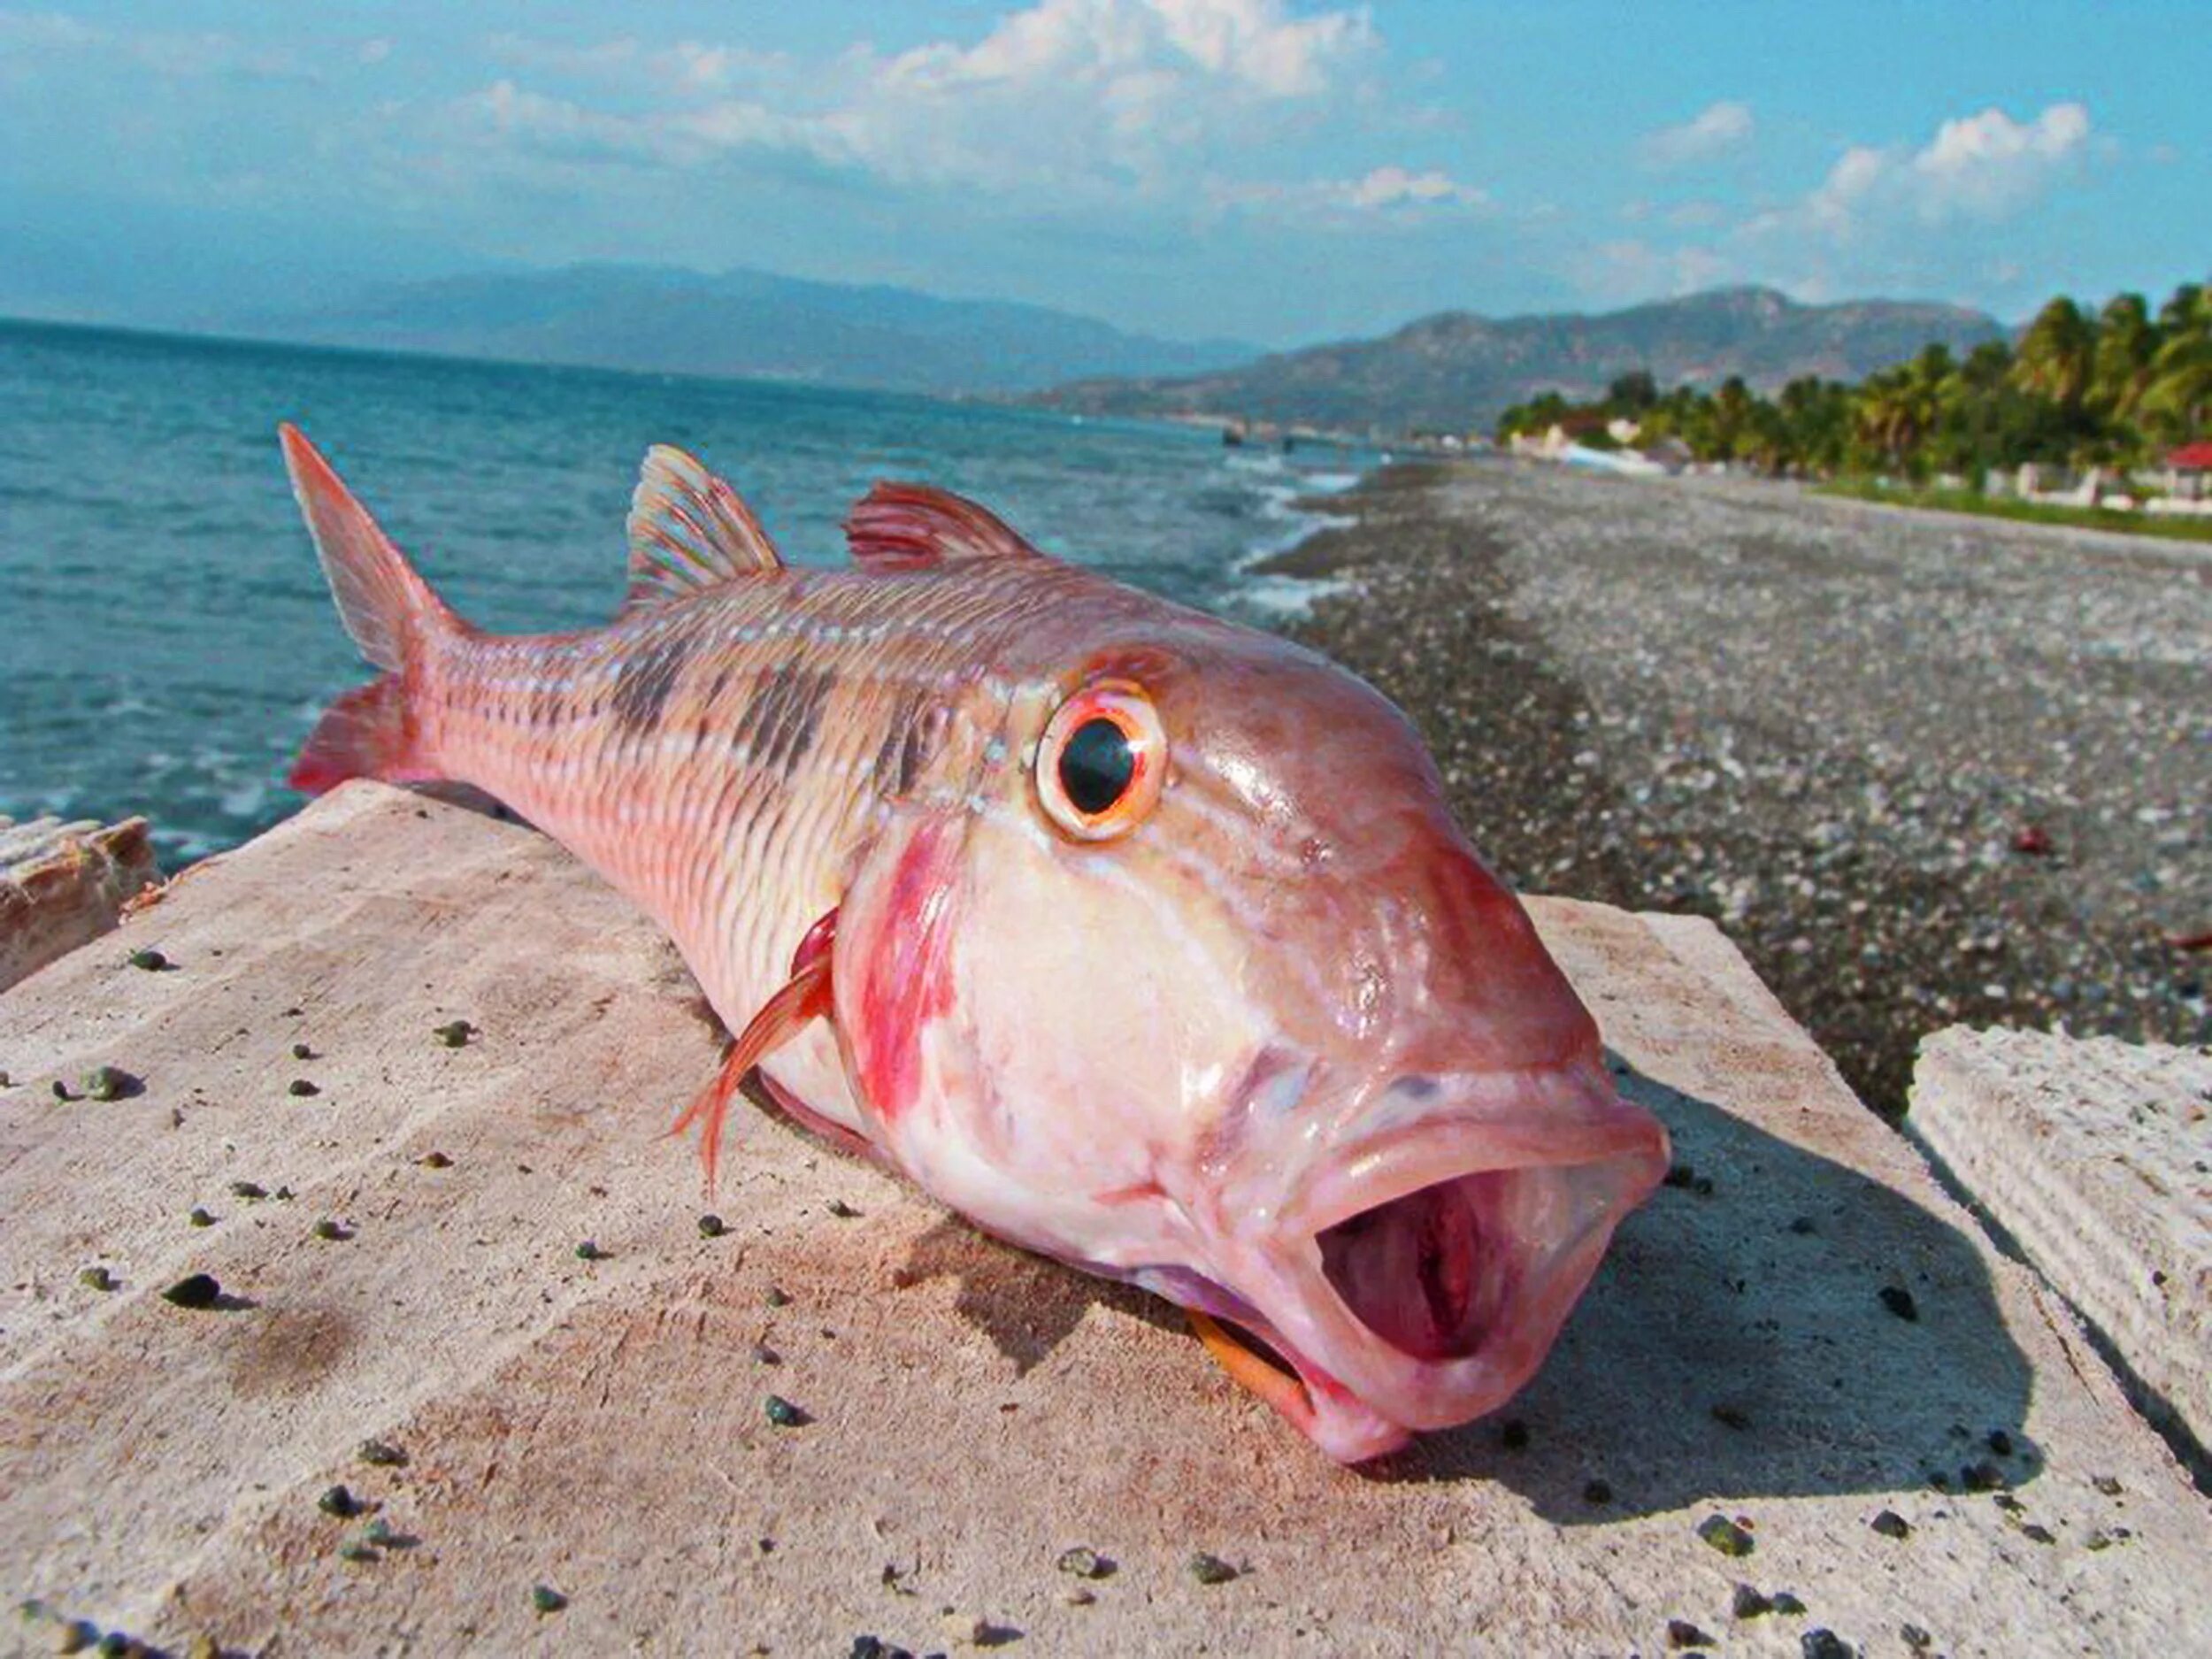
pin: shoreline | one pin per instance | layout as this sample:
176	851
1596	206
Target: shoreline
1922	772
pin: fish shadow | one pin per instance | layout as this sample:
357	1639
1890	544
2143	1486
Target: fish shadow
1772	1323
1737	1343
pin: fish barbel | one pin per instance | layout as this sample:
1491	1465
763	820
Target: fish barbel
1142	939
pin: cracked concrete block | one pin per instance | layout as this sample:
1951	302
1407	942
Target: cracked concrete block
2096	1158
1799	1337
63	884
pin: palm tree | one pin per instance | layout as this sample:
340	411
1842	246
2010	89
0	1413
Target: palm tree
2120	370
2057	354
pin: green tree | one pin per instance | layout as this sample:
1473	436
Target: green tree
2057	354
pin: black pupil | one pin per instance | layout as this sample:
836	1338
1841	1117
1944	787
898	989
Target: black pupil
1096	764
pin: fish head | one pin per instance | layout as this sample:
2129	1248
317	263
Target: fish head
1194	980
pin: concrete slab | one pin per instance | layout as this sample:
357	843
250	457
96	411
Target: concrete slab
598	1426
64	884
2096	1158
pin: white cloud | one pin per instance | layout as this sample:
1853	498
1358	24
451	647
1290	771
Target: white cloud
1394	187
1390	193
1984	166
1066	95
26	37
1713	132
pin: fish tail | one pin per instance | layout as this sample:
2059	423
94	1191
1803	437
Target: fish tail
395	619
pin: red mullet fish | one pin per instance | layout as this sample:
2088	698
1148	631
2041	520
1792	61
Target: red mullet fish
1142	939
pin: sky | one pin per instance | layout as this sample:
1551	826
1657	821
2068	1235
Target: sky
1266	170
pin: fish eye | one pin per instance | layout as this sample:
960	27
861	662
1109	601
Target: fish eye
1100	762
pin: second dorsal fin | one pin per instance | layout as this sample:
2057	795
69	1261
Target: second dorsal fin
906	527
689	530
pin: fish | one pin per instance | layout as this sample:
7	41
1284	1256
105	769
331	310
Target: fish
1141	939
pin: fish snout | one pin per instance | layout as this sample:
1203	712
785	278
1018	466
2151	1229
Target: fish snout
1418	1279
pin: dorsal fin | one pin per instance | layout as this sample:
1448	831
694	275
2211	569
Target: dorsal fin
689	530
906	527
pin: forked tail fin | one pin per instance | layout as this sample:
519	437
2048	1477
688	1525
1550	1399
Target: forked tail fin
393	615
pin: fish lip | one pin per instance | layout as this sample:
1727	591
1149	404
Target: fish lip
1368	1395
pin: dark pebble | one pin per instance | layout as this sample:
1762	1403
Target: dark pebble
151	961
1825	1644
435	1160
383	1453
301	1088
1732	1417
1748	1603
545	1599
876	1648
246	1190
783	1415
1726	1536
358	1549
333	1231
1513	1435
2000	1442
2109	1484
1914	1637
712	1226
61	1091
198	1290
1889	1524
762	1355
199	1218
589	1251
1982	1477
1209	1568
1597	1492
1783	1601
1084	1562
2037	1534
1899	1301
339	1501
454	1033
1681	1633
96	1278
842	1210
77	1635
301	1051
777	1297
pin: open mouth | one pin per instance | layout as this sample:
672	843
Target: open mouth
1436	1302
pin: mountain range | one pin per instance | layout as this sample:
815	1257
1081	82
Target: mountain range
744	323
1455	370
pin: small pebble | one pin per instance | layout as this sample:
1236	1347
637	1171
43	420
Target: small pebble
199	1218
762	1355
777	1297
333	1231
151	961
1889	1524
2000	1442
381	1534
246	1190
1681	1633
358	1549
543	1597
435	1160
589	1251
1914	1637
96	1278
382	1453
77	1635
1209	1568
301	1088
198	1290
842	1210
339	1501
1726	1536
2109	1484
1081	1597
1982	1477
783	1415
2035	1532
301	1051
712	1226
1783	1601
1825	1644
1899	1301
1084	1562
454	1033
110	1082
1748	1603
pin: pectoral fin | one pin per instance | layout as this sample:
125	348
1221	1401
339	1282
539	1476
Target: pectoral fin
804	997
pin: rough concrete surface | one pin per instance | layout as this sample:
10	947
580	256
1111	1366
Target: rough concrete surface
598	1426
62	884
2096	1158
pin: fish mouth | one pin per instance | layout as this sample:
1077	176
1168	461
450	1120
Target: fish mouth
1427	1274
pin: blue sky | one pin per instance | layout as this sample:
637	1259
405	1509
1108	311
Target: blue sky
1272	169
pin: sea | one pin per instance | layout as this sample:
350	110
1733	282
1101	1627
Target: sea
166	637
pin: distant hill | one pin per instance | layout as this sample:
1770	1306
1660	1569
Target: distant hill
745	323
1456	371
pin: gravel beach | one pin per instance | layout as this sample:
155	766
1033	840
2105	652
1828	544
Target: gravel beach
1925	769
